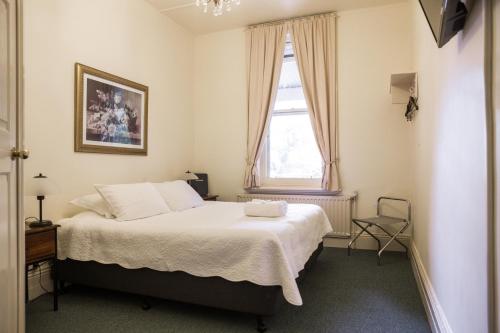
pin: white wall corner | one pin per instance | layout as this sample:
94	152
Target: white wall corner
435	313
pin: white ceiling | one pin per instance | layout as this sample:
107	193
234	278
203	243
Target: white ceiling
249	12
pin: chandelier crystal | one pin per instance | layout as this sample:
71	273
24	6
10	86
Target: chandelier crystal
219	6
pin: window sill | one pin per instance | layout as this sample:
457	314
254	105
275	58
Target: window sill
291	191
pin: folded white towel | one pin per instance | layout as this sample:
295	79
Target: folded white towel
266	208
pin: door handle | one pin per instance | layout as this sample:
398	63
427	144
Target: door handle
19	154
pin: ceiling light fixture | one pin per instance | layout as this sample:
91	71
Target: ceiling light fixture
219	5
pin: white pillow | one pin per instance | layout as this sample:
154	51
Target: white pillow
93	202
133	201
179	195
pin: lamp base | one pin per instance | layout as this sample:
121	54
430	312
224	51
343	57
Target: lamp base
40	224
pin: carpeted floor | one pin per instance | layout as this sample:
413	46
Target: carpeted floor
341	294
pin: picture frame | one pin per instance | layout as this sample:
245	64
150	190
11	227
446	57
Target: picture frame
111	113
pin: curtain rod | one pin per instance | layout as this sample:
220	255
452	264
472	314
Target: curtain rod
277	22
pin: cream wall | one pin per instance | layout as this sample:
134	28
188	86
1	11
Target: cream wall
128	38
450	230
374	137
220	121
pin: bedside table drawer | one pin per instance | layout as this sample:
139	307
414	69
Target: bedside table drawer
40	245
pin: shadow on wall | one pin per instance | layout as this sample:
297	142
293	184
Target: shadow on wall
471	26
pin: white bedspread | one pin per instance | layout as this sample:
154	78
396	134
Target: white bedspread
216	239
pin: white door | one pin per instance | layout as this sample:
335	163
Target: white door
11	308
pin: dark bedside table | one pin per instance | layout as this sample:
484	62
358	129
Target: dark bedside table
210	197
41	245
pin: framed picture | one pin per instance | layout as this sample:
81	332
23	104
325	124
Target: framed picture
111	113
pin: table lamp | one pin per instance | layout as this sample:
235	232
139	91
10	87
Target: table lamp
189	177
41	186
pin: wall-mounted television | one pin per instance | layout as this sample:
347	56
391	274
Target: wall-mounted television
446	18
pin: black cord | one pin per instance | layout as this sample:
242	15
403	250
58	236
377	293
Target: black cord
39	267
40	279
30	219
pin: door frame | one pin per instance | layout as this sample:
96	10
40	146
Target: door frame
21	317
492	84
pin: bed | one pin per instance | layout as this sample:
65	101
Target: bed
211	255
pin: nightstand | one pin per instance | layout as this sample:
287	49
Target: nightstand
210	197
41	245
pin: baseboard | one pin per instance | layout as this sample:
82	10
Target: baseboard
435	314
37	276
366	242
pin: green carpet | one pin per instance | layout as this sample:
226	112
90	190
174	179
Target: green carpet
340	294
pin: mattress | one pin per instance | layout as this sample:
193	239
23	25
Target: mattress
216	239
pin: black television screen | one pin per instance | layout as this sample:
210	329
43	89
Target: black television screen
446	18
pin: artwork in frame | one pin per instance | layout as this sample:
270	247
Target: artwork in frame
111	113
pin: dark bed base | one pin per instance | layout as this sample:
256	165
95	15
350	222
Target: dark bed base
179	286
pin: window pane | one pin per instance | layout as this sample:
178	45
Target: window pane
290	99
290	94
289	77
293	152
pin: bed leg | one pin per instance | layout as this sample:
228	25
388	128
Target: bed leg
62	287
145	305
261	327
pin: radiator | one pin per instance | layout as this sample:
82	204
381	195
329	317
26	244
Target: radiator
338	208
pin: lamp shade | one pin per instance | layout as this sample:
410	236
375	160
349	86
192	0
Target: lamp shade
188	175
41	185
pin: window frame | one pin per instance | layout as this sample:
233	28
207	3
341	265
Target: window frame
264	165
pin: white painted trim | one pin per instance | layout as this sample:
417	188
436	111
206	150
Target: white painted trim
34	288
20	143
435	313
492	51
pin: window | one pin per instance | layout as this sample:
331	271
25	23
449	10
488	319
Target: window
291	157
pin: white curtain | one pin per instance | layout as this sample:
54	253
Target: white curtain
314	45
265	48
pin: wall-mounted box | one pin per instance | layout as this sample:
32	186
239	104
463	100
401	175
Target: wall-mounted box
402	86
